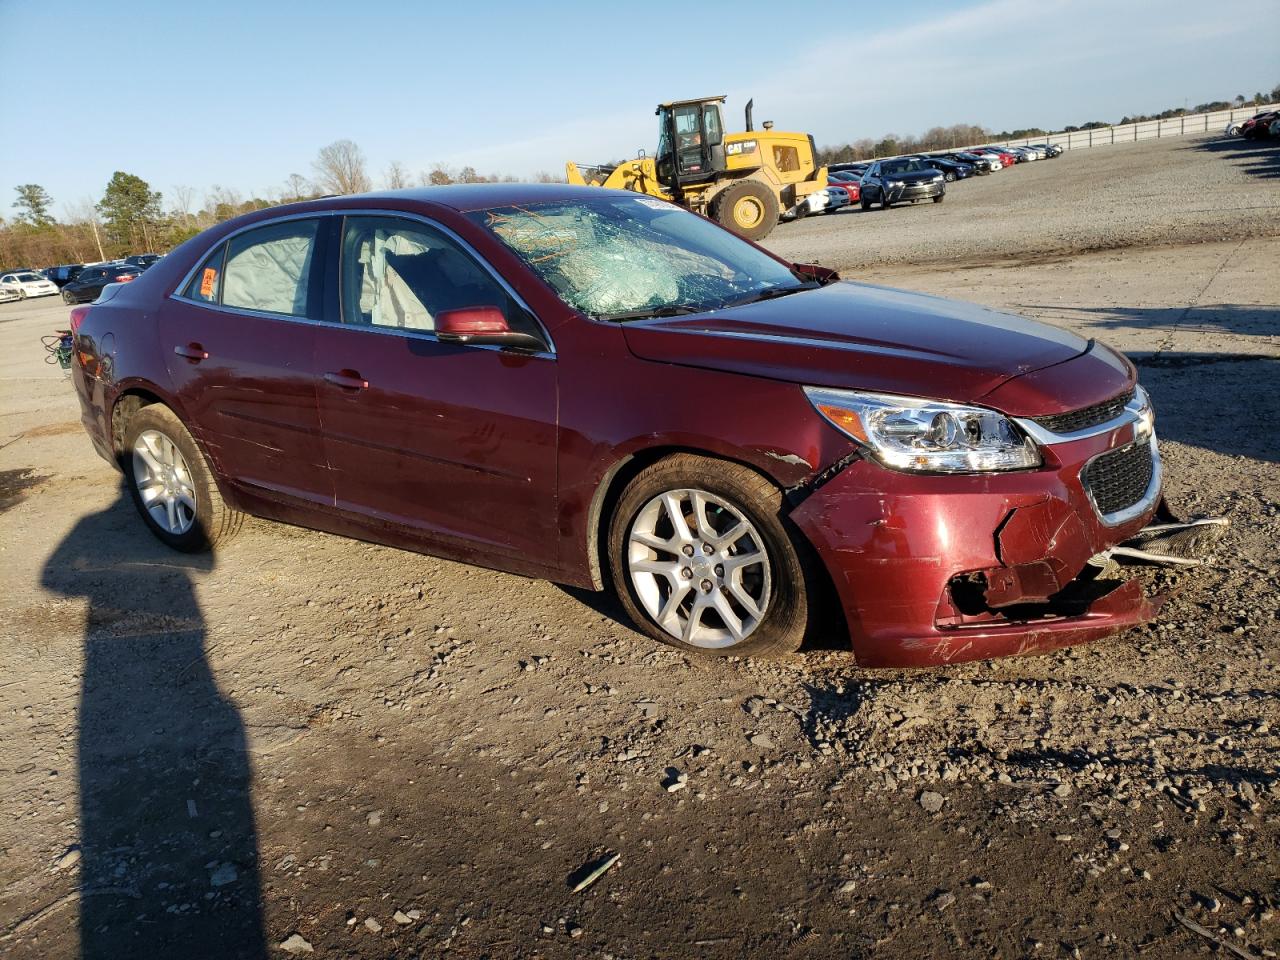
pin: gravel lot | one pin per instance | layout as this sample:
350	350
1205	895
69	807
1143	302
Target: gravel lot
305	745
1177	191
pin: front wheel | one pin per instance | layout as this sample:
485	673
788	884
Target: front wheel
864	203
701	558
949	177
67	298
939	198
22	294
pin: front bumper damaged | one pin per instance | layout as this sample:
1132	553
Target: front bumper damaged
933	570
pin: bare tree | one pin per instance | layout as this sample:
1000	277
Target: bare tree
297	187
223	202
397	176
182	197
340	168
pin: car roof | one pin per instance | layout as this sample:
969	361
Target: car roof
476	196
461	198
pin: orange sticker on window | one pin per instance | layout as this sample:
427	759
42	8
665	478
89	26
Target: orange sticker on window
207	281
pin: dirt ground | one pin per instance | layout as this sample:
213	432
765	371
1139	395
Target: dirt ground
308	746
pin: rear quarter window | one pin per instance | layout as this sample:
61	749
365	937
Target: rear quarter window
206	284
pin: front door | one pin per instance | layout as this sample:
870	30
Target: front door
456	444
240	346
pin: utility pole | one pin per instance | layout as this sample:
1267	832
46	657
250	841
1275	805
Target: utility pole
97	239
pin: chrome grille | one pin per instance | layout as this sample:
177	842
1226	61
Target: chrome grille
1118	478
1085	417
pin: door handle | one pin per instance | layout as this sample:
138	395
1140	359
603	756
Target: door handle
347	379
193	352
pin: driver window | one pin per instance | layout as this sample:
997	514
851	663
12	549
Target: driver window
400	274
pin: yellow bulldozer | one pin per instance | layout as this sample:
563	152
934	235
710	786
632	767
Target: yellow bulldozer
745	181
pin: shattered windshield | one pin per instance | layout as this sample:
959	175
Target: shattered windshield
621	258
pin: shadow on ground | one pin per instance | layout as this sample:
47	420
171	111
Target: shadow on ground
169	856
1261	158
1248	320
1236	400
1214	400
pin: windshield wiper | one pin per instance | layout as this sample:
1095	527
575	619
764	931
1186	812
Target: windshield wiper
772	293
673	310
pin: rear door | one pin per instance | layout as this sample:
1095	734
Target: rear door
239	340
453	443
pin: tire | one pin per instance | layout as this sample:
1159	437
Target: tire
780	586
67	298
864	203
748	208
22	294
939	198
949	177
161	432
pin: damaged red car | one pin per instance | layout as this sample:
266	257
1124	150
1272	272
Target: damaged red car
607	391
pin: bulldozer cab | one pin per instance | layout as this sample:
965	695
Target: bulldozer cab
690	143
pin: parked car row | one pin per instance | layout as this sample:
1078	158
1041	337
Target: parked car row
78	282
1260	126
923	176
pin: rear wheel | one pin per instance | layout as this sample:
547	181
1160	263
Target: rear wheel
172	485
701	558
748	208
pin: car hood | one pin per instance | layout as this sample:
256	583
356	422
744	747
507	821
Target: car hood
864	337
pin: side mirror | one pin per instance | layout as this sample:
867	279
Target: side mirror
815	272
482	326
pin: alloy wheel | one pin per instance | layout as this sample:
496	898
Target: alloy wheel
699	567
164	482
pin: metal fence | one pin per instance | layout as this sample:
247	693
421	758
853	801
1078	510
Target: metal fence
1216	122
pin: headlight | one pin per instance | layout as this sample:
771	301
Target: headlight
1145	413
896	183
910	433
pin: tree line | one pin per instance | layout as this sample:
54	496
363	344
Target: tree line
967	134
131	217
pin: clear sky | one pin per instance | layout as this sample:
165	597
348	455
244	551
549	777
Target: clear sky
244	92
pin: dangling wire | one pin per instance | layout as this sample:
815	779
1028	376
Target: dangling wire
58	347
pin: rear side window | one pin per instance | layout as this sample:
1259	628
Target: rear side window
269	269
206	285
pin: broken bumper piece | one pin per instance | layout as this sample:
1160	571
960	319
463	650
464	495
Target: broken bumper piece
945	569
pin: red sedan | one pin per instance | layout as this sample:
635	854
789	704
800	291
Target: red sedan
605	390
1006	159
850	183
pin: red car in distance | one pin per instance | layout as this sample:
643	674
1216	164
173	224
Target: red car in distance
608	391
849	182
1006	159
